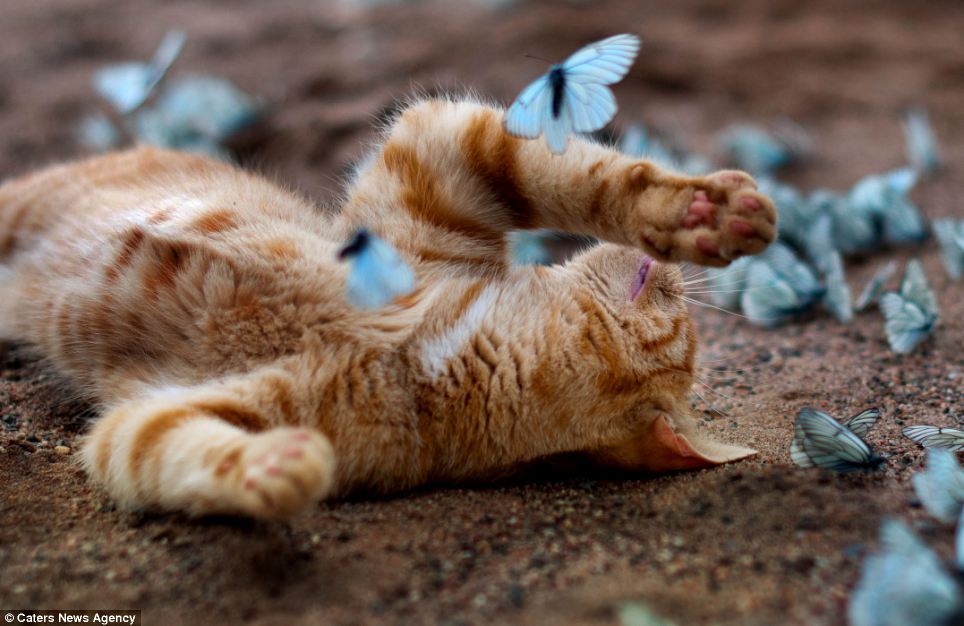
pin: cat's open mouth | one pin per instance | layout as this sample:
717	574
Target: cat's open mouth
639	282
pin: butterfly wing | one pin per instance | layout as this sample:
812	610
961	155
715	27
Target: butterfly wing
819	241
862	422
934	437
871	292
921	144
915	288
794	271
906	323
603	62
768	299
590	106
527	114
378	276
829	444
950	235
837	295
557	129
940	486
797	454
904	583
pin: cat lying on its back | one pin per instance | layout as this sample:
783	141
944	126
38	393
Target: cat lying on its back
203	309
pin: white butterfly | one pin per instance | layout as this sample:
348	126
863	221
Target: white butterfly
934	437
837	296
950	234
821	441
871	292
129	85
378	275
903	584
911	313
921	144
940	486
572	96
779	285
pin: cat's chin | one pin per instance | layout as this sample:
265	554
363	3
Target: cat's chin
646	267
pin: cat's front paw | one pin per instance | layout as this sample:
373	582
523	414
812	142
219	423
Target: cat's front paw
282	471
727	218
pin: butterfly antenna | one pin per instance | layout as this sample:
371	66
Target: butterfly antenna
532	56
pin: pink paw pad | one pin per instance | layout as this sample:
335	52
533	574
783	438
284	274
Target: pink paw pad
701	211
743	229
751	204
707	247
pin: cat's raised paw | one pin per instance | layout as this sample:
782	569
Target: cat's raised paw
727	218
283	471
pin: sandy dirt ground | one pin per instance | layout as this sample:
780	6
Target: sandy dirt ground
759	542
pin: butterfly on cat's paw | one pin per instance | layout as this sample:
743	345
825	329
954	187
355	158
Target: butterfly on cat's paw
573	97
378	274
821	441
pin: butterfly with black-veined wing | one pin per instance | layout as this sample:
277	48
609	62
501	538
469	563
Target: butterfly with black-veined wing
573	95
821	441
935	437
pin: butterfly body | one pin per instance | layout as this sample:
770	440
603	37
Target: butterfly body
557	82
573	97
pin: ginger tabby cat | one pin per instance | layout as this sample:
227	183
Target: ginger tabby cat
203	311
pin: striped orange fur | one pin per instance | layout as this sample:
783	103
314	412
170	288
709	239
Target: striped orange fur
203	308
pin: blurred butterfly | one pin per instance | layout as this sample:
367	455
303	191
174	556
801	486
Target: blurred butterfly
934	437
940	486
128	86
886	197
819	241
950	234
638	142
921	143
727	283
904	584
853	228
836	298
959	544
871	292
573	95
778	286
821	441
753	149
910	313
793	212
378	275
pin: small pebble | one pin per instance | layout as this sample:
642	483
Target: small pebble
62	450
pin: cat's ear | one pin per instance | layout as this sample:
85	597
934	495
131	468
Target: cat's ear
664	446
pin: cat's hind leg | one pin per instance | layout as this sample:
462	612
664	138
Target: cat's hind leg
212	449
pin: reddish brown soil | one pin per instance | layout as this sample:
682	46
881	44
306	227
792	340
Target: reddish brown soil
758	542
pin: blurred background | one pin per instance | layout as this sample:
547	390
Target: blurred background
757	543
